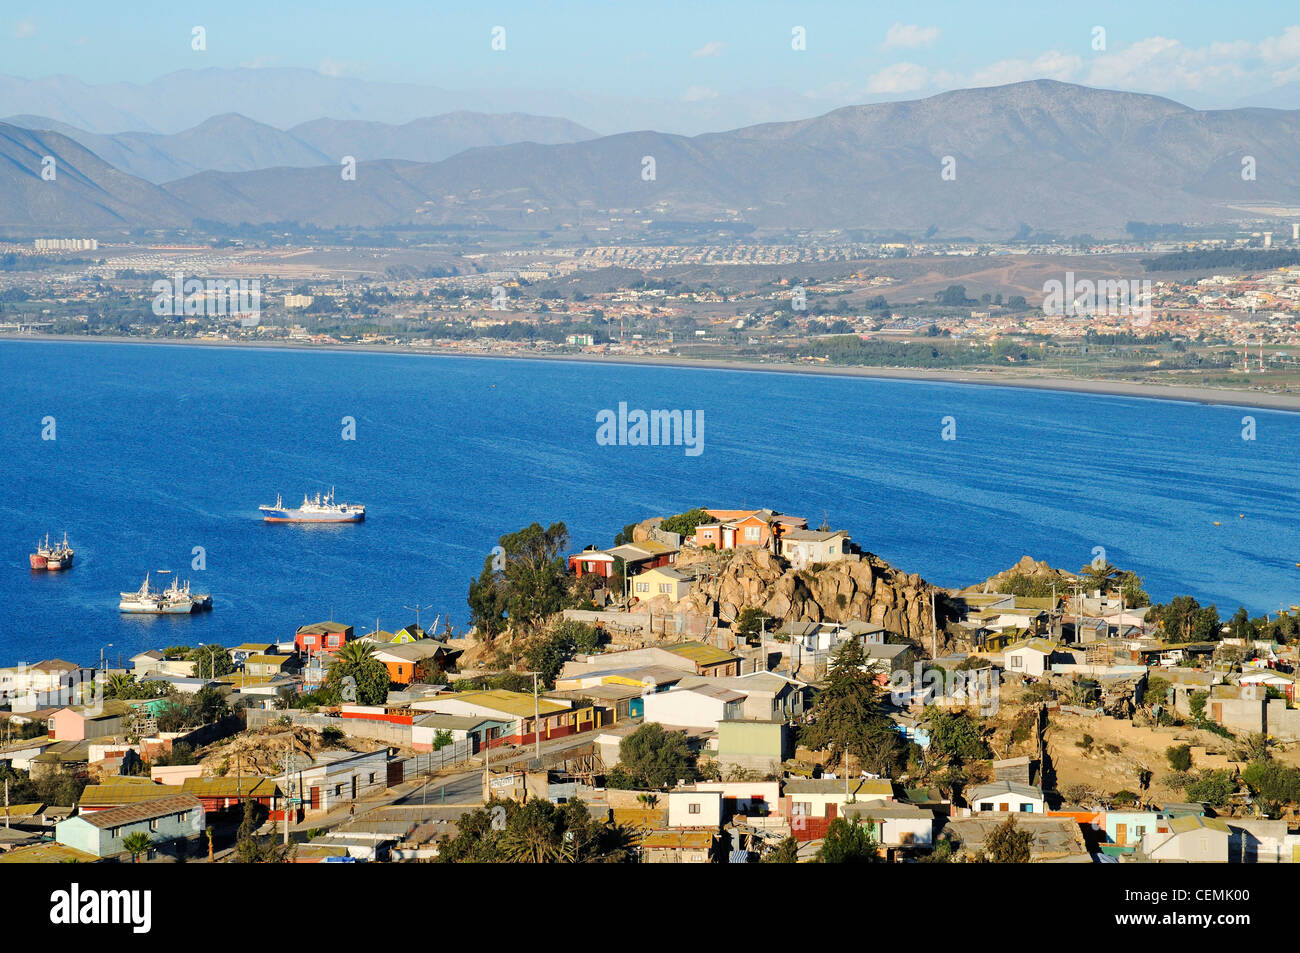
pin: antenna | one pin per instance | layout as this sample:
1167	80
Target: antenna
417	609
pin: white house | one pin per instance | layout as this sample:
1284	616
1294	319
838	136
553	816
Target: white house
695	809
701	706
895	824
1006	796
804	547
1191	838
1031	657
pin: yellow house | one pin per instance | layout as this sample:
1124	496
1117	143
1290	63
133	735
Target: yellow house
661	581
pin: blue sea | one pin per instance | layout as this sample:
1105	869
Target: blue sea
159	450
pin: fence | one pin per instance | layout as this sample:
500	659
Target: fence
429	762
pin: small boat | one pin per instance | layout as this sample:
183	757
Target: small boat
52	557
320	509
172	601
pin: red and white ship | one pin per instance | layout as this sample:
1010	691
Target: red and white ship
58	556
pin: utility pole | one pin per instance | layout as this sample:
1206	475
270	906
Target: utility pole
537	728
287	800
417	608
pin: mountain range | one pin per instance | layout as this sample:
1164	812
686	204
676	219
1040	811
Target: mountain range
1039	155
235	143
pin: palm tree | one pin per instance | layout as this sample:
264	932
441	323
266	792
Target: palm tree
1099	575
355	654
119	684
135	844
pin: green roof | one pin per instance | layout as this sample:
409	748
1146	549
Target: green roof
699	653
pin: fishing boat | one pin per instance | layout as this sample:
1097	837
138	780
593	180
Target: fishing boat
52	557
172	601
317	509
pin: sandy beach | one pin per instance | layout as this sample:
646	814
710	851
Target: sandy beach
1188	394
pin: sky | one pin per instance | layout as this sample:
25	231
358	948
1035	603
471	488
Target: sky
1200	53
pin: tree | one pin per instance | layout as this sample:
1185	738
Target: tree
547	653
685	524
848	842
786	852
749	624
536	831
654	758
1184	620
210	661
956	736
1212	787
847	708
1008	844
522	584
1100	575
137	843
1179	757
356	660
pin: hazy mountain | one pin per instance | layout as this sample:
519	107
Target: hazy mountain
1042	154
233	143
434	138
85	193
228	143
285	97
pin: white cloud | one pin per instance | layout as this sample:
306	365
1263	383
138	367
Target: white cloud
339	67
904	37
900	78
712	48
1050	65
1284	48
698	94
25	28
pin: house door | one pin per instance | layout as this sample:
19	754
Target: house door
315	798
354	787
1121	834
1004	807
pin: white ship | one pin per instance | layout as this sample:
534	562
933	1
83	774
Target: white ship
318	509
176	599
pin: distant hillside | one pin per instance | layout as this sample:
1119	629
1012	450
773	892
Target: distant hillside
234	143
85	193
1042	156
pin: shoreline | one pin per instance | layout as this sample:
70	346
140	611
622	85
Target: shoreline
1214	396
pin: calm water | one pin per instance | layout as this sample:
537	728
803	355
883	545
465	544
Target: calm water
161	449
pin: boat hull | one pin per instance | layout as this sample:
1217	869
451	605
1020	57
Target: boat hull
38	562
283	516
137	609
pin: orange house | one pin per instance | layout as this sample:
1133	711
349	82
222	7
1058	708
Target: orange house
745	528
402	661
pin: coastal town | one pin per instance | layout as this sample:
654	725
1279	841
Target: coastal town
1219	311
714	686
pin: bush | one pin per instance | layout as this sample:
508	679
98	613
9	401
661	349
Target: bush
1179	757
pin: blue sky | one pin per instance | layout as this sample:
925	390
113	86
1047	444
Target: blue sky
1202	53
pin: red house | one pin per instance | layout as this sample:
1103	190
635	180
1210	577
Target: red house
592	562
322	637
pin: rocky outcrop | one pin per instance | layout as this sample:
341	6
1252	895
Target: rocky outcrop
867	589
1027	566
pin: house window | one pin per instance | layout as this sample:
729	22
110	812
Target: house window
338	790
751	532
986	807
1017	662
1026	808
372	777
643	587
1140	831
665	588
694	809
114	831
153	825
